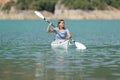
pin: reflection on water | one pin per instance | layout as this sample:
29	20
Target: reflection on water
59	65
52	68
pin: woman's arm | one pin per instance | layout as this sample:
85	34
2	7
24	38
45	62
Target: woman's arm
69	35
48	28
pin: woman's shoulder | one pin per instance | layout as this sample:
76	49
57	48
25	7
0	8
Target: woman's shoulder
67	30
56	29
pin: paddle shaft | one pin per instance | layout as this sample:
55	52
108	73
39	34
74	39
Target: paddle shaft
49	22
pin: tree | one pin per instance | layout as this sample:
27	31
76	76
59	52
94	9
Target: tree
8	5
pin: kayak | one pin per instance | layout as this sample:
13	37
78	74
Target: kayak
64	44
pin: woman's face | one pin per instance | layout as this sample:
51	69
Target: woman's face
61	24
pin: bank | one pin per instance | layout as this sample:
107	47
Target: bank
61	14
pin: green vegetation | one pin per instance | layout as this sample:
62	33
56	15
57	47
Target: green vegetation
91	4
8	5
36	4
49	5
44	5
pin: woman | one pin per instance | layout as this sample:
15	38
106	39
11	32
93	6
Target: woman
61	32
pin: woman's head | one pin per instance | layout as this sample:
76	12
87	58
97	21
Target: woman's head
61	24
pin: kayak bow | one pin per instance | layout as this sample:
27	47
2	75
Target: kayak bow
64	44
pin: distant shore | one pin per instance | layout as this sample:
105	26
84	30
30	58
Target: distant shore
62	14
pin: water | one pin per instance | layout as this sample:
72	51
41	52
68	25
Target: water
26	54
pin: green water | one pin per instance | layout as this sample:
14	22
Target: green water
26	54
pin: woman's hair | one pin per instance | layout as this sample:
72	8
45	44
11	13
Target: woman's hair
59	21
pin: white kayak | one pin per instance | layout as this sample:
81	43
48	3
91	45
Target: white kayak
64	44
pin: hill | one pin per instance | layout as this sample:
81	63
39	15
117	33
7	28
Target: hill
66	9
49	5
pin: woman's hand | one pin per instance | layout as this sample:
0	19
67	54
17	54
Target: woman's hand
50	24
48	28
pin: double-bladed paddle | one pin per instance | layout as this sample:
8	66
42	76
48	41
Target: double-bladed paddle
77	44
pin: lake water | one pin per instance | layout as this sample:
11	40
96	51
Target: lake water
26	54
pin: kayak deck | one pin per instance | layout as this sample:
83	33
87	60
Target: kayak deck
64	44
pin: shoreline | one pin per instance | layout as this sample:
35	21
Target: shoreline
63	14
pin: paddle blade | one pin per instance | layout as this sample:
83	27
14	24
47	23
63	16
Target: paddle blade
39	14
80	45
